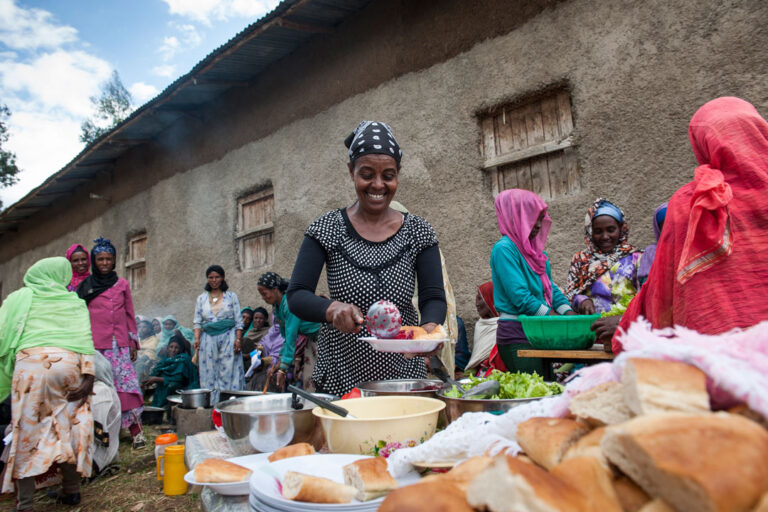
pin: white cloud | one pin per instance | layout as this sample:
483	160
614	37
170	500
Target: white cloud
206	11
142	92
169	48
56	80
164	70
189	34
25	29
46	79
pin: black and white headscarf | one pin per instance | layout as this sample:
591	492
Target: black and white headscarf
273	280
373	137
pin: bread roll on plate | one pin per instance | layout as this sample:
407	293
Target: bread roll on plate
370	477
313	489
653	385
217	471
702	462
292	450
593	479
434	495
510	485
545	440
602	405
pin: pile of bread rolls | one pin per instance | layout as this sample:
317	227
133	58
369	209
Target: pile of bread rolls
649	443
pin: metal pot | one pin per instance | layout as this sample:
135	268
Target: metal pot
400	387
228	394
265	423
194	398
455	407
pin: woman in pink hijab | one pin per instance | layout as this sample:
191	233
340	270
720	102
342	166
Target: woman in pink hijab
522	279
81	265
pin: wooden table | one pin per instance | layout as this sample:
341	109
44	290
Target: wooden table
594	355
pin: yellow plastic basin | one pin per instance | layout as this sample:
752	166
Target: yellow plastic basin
380	422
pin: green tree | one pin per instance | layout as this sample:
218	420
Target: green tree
112	106
8	169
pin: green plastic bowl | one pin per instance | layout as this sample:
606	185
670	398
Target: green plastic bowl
562	332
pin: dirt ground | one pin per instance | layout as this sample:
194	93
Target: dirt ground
133	489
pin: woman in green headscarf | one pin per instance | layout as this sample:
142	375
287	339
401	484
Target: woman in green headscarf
46	362
175	372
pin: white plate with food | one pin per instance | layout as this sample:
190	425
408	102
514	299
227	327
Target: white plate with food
404	346
267	483
218	472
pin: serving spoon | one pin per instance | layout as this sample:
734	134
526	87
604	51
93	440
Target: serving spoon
325	404
484	389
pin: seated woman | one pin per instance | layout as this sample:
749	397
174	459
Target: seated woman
522	279
710	266
269	342
146	358
644	268
605	274
485	327
175	372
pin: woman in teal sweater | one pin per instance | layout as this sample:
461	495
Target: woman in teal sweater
522	279
299	352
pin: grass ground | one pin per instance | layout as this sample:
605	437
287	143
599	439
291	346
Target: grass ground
135	488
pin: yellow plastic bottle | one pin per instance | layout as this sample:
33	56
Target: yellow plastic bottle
173	479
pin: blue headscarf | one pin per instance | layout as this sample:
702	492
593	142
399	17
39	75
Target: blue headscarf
606	207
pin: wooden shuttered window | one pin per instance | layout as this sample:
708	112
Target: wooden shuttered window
530	146
255	229
137	261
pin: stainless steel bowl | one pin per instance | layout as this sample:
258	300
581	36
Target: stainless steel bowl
231	393
398	387
194	398
152	415
174	399
268	422
455	407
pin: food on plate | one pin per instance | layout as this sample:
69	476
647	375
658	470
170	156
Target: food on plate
594	480
434	495
462	474
545	440
652	385
512	385
383	320
314	489
217	471
370	477
602	405
702	462
414	332
589	446
631	496
292	450
510	485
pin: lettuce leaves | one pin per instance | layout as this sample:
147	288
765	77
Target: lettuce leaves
512	385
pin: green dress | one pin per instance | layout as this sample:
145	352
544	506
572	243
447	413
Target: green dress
178	372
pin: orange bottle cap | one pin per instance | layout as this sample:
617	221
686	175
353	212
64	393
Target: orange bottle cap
166	439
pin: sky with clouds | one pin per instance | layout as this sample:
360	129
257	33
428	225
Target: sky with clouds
54	55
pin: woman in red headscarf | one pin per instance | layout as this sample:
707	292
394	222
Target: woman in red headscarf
81	265
710	264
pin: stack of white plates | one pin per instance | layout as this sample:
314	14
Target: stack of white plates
266	495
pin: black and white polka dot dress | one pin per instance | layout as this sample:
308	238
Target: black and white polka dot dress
361	272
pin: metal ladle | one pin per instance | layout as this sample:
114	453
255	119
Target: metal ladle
325	404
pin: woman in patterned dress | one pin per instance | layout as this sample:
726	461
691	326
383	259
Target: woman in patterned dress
113	324
218	335
46	362
371	252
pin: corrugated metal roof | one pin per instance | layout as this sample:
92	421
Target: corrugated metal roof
236	63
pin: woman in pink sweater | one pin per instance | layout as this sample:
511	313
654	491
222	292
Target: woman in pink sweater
113	325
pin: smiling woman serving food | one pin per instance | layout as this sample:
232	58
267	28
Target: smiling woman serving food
371	253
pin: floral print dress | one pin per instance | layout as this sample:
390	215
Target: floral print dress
619	284
220	368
